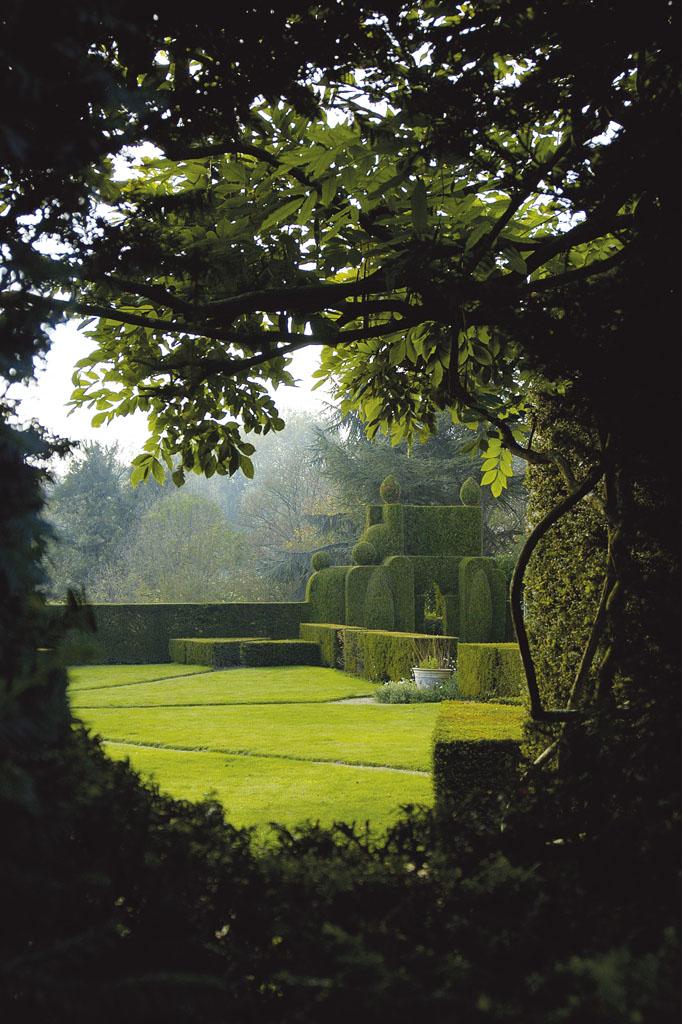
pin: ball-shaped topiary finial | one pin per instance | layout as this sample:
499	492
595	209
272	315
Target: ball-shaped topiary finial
390	490
470	492
365	553
320	560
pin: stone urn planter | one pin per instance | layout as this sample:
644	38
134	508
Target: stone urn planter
425	678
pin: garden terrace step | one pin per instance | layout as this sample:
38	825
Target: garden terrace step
230	652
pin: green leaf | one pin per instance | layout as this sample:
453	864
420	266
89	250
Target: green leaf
474	236
137	475
420	208
158	471
481	354
328	190
307	209
281	214
516	261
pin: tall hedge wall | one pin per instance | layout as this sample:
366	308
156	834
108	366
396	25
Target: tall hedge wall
401	571
442	530
482	601
490	670
138	633
356	584
565	574
326	594
379	604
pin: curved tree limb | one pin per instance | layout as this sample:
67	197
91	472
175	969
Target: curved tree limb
538	712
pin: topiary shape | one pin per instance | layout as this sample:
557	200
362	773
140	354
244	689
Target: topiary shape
365	553
320	560
479	608
470	492
390	490
379	607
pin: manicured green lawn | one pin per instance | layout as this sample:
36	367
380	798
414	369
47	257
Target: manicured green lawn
267	745
373	734
298	684
89	677
256	790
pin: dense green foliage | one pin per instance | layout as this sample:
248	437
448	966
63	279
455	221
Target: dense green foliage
513	206
566	573
390	489
476	773
442	530
142	632
406	691
482	601
470	492
430	473
487	671
279	652
365	553
325	594
320	560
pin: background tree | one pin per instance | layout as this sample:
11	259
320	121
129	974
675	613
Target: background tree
94	513
183	550
430	473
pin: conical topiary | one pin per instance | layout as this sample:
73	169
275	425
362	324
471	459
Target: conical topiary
390	490
470	492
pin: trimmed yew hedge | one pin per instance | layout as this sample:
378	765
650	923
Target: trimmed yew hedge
467	771
487	671
374	654
140	633
260	653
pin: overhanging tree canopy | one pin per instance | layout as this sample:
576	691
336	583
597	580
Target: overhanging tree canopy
431	225
457	211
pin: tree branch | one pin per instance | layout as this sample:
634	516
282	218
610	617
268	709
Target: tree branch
538	712
236	148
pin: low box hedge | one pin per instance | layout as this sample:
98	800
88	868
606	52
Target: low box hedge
379	655
328	636
489	671
279	652
470	772
220	652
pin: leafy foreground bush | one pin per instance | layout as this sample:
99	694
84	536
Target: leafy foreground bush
123	904
407	692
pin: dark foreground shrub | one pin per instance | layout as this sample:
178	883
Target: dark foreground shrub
120	903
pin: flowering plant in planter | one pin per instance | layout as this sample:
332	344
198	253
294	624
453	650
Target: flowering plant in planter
433	662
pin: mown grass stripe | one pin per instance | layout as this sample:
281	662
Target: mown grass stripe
257	754
79	688
218	704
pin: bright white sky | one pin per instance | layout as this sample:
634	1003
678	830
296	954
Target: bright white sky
46	398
